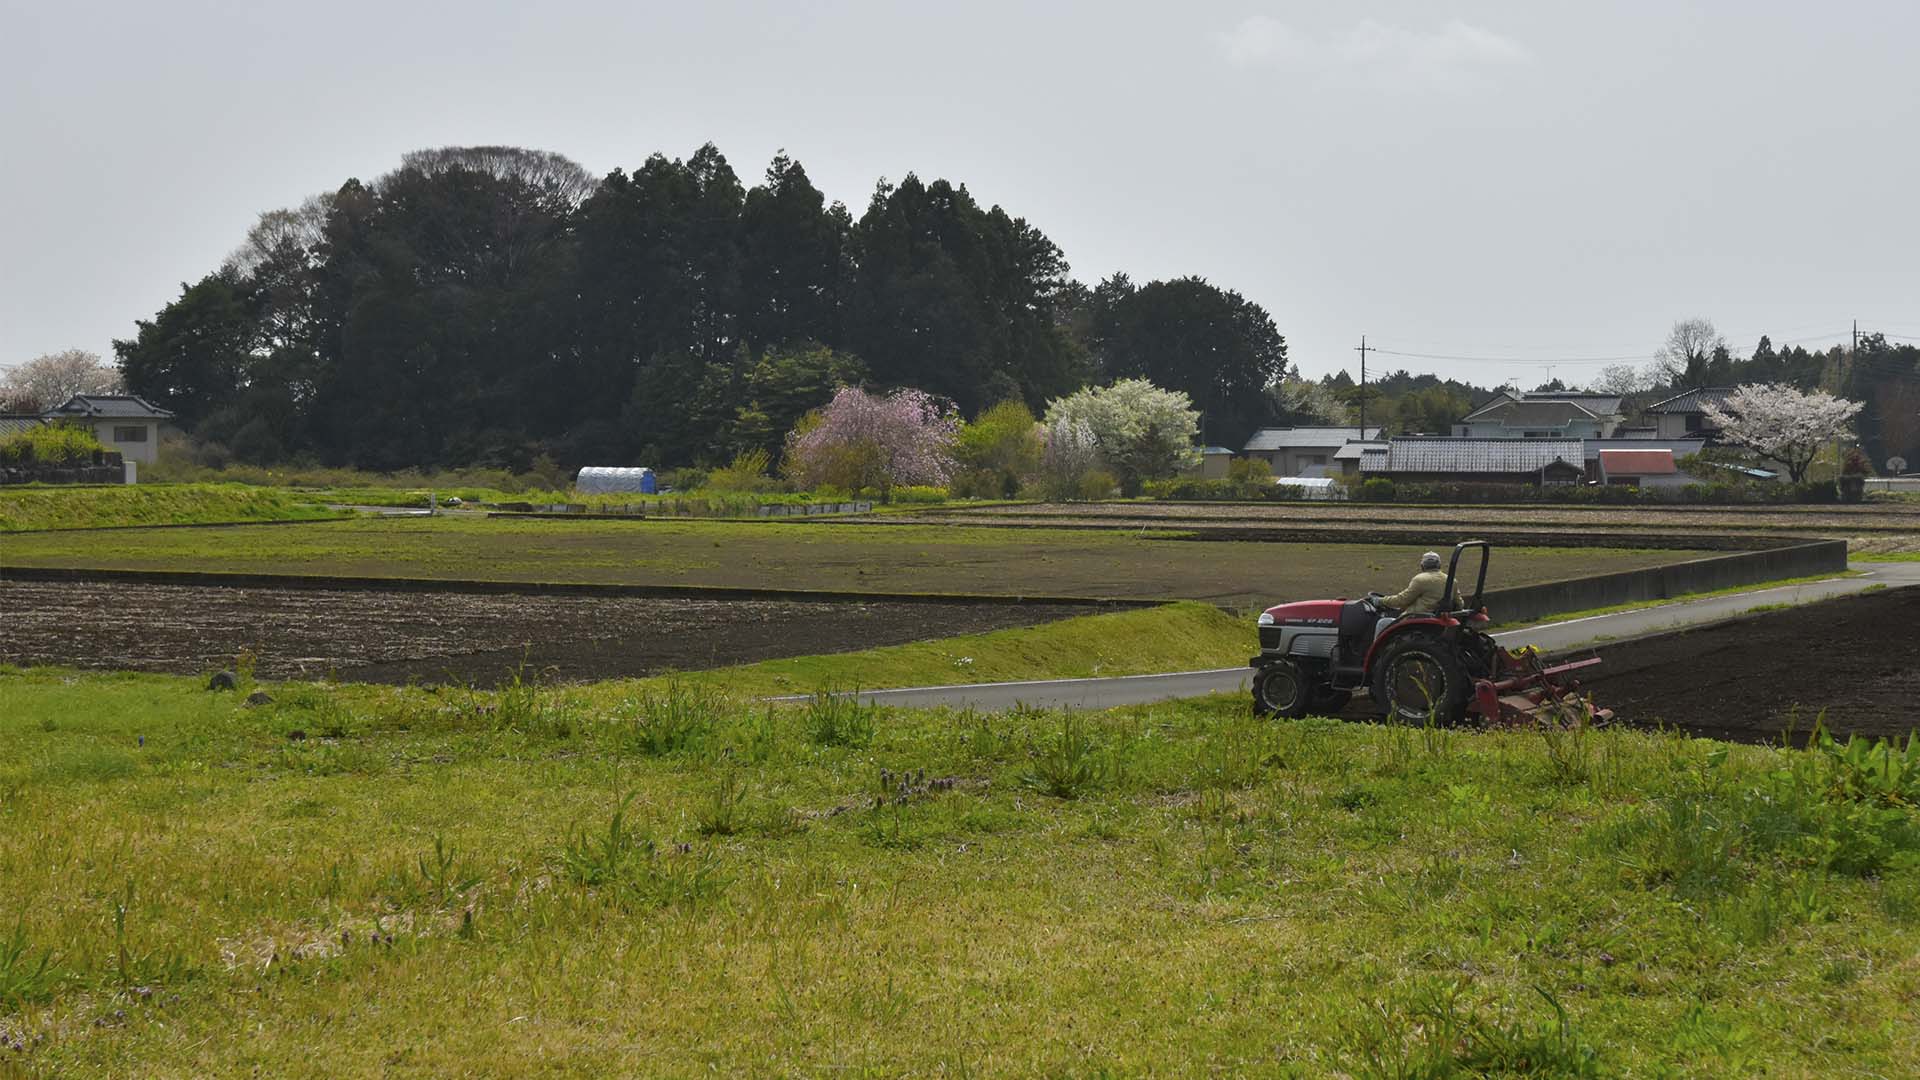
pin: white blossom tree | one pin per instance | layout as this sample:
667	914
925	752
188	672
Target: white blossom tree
1781	424
1068	454
47	381
1141	431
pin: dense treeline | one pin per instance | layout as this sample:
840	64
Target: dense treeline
489	305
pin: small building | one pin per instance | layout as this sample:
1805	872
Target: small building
1214	461
1681	415
1516	414
616	480
1346	460
1640	468
1677	448
1447	459
122	422
1303	451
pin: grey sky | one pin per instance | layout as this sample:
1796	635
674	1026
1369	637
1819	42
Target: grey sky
1509	179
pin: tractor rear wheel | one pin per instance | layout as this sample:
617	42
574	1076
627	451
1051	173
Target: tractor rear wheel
1282	689
1419	679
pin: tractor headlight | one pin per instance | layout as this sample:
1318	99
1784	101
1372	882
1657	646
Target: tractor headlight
1266	618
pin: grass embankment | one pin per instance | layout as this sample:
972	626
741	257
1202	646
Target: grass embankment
33	507
934	559
1682	598
1173	637
365	881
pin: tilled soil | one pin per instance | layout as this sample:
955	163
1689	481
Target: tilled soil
1858	659
396	637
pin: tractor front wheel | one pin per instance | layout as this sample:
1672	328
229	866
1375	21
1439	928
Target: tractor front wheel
1282	689
1419	679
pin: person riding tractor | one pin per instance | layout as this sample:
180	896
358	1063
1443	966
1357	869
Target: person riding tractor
1426	593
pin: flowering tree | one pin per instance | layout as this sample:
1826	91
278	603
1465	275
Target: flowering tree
1068	455
48	381
1782	424
869	442
1141	431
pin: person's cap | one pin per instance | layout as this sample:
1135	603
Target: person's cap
1430	561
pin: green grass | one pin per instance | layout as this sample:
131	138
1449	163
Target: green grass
1731	590
794	555
1174	637
34	507
1886	556
609	881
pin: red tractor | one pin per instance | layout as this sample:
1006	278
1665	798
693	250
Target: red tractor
1441	666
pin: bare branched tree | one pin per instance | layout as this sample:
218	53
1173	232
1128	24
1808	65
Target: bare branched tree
552	174
47	381
1622	379
281	233
1690	345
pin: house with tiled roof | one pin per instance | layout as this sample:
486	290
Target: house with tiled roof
1303	451
122	422
1682	416
1516	414
1453	459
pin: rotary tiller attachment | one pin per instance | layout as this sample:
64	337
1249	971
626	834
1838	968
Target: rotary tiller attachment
1524	691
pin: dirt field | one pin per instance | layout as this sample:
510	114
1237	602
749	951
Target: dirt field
1878	527
854	558
1857	658
451	637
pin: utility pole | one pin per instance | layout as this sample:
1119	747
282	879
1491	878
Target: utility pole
1362	350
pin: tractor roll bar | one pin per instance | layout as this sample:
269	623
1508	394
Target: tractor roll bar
1480	586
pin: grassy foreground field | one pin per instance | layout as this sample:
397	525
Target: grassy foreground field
357	881
35	507
1183	636
865	558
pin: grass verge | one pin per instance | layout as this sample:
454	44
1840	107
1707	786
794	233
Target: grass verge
1731	590
34	507
358	881
1183	636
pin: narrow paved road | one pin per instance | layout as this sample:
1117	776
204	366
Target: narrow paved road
1552	637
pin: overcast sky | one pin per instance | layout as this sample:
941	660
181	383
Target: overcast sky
1481	179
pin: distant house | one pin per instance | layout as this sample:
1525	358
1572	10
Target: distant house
1346	460
1681	415
122	422
1303	451
1451	459
1640	468
1214	461
1515	414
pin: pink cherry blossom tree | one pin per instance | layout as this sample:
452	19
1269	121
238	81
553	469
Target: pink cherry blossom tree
1782	424
871	442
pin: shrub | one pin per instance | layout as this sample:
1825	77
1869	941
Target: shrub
1095	484
749	472
1375	489
50	444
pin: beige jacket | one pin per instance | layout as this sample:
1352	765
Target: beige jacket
1425	593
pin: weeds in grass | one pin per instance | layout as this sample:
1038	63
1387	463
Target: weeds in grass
839	719
681	717
1563	729
137	969
633	871
720	814
1441	1035
1069	765
524	705
23	979
1879	771
442	880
